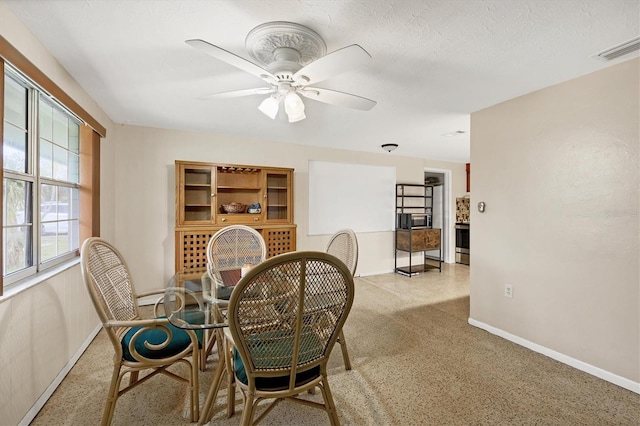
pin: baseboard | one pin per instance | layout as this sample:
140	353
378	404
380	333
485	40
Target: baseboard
31	414
582	366
370	274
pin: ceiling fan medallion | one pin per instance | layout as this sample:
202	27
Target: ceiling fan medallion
291	58
263	42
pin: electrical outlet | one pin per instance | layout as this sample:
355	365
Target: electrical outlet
508	291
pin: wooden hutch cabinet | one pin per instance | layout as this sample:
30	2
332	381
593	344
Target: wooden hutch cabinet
202	189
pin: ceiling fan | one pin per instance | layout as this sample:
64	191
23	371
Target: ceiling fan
291	59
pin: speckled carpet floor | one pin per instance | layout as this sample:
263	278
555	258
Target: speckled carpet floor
416	361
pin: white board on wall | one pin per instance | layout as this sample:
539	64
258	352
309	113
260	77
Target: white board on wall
356	196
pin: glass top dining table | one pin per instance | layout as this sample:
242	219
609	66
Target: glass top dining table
188	304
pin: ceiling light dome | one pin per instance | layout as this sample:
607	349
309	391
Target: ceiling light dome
269	107
294	107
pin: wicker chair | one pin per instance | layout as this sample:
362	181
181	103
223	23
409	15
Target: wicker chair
344	245
285	316
139	344
229	249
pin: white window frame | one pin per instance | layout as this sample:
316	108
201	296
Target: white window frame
33	176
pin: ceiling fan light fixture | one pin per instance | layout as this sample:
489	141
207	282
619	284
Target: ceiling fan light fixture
269	107
294	107
298	117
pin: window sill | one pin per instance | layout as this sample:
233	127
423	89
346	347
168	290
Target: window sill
25	284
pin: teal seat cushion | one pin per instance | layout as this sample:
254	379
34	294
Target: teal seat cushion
180	340
272	343
224	292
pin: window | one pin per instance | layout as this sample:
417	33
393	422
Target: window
41	209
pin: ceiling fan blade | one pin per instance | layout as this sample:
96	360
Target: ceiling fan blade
334	97
332	64
231	59
238	93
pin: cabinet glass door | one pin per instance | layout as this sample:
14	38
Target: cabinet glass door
278	196
197	187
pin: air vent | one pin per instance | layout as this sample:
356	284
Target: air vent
615	52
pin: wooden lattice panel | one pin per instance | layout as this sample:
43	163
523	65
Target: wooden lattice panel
191	246
279	240
192	249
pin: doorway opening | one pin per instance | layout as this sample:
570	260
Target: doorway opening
441	179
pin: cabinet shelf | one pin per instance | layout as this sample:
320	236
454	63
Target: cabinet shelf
415	269
238	188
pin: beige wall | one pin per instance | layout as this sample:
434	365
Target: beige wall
44	327
558	170
41	330
145	188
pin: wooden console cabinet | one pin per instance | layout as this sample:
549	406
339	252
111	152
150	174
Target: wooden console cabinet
202	189
419	240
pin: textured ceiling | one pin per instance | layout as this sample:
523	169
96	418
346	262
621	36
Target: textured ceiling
434	62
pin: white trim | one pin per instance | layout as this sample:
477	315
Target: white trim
372	273
37	406
13	289
149	300
572	362
448	216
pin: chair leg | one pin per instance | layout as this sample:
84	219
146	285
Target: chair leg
248	410
207	408
329	405
231	395
345	351
112	396
195	385
133	377
209	341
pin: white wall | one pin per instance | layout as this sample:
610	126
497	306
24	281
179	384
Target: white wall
558	170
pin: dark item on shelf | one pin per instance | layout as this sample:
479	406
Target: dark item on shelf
413	220
254	208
